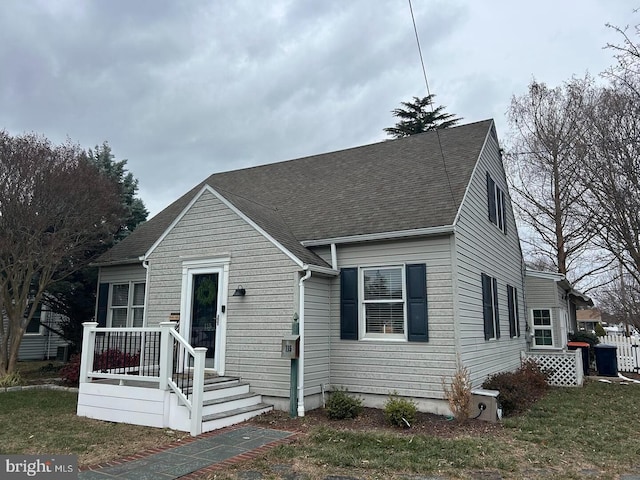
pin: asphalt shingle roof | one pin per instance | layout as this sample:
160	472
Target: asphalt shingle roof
404	184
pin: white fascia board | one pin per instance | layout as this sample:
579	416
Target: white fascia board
228	204
368	237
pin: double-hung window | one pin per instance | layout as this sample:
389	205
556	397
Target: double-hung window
542	327
496	203
127	305
383	302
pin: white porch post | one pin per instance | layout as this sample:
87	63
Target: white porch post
166	353
88	347
198	389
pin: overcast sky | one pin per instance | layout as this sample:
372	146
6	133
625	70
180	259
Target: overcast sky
185	89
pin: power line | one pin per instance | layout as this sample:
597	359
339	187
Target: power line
426	82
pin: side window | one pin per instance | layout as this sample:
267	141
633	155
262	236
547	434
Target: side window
33	328
542	327
496	204
384	303
490	312
126	308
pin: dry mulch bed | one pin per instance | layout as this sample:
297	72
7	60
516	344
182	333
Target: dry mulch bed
372	420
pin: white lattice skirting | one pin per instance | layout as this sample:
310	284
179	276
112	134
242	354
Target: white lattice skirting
566	366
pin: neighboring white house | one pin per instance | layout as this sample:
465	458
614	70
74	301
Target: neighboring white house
39	342
401	260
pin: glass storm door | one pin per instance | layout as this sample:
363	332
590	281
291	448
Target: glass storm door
204	314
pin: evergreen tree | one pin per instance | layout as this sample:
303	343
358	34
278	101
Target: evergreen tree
418	116
74	297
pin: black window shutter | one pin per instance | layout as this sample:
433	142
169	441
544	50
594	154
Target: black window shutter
349	304
512	311
496	312
487	307
515	299
491	196
417	318
103	301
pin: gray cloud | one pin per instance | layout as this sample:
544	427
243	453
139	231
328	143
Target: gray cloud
185	89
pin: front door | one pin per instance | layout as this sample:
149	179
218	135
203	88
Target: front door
205	314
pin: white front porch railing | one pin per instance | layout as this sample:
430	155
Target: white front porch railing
149	355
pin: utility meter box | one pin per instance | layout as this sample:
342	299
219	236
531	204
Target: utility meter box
290	346
485	405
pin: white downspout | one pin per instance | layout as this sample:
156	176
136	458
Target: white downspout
145	264
334	257
301	333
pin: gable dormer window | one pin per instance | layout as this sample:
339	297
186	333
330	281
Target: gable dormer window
495	196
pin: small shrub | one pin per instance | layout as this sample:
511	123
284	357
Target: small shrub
341	405
459	394
112	358
10	380
519	389
70	372
400	412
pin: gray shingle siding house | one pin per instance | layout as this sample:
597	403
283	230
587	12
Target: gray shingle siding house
401	259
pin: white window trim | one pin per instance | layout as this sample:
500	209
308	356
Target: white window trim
542	327
130	307
387	337
499	201
494	306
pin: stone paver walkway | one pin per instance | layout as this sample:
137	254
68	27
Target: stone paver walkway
207	451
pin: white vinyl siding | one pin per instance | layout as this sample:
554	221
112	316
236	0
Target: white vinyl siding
482	248
411	368
44	344
317	334
256	322
546	294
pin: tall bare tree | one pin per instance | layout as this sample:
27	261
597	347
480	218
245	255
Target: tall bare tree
54	208
612	176
544	160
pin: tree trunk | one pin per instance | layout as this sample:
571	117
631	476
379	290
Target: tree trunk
14	347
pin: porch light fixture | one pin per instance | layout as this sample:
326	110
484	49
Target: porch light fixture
240	292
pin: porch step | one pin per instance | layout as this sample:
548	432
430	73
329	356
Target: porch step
230	403
215	421
217	383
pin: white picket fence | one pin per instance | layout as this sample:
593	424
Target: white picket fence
628	351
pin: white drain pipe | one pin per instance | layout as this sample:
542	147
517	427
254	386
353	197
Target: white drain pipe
301	355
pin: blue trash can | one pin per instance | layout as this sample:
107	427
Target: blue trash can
607	360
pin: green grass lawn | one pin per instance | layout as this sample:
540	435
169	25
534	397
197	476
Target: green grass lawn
593	430
575	433
45	421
